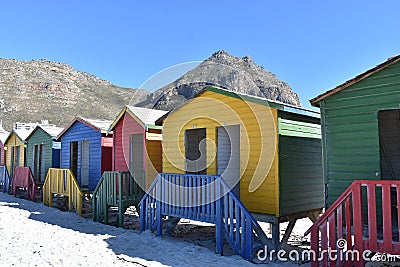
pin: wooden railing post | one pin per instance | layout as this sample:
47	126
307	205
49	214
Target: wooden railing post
158	208
387	218
358	219
218	222
120	195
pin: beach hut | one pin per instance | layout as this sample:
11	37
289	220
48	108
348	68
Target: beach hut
14	147
137	142
267	152
361	122
137	160
43	151
86	149
361	154
3	136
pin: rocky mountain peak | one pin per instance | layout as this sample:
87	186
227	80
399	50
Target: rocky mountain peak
222	69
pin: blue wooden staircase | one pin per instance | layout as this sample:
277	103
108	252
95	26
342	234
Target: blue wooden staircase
205	198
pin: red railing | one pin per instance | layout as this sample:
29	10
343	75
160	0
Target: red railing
348	230
23	178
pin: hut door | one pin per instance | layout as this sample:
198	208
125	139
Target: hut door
73	158
389	141
38	162
228	156
136	158
195	151
85	164
35	161
42	159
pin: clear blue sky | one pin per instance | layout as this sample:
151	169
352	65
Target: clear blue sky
312	45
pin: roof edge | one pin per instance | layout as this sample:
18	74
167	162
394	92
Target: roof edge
254	99
80	119
392	60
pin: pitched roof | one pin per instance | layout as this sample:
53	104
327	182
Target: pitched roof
99	125
22	134
392	60
3	133
147	117
51	130
250	98
3	136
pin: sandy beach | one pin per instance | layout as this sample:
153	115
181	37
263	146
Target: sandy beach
32	234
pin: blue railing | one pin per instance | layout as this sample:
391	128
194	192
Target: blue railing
4	180
205	198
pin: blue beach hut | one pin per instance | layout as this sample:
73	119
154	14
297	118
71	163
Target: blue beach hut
86	150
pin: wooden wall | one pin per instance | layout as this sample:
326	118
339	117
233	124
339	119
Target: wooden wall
37	138
13	142
2	154
79	132
122	131
301	186
124	128
351	130
259	186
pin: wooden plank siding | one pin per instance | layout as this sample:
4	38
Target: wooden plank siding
123	129
79	132
301	186
40	137
350	125
12	142
153	160
258	141
2	154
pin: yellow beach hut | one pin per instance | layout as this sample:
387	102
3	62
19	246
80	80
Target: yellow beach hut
268	152
14	147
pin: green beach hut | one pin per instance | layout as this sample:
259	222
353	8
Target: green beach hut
43	151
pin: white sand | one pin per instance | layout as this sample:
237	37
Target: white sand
32	234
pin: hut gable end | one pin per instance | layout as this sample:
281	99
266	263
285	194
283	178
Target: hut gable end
350	124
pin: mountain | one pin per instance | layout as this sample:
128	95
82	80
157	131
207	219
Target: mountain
241	75
41	89
31	91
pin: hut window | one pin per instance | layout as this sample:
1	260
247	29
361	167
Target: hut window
195	151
